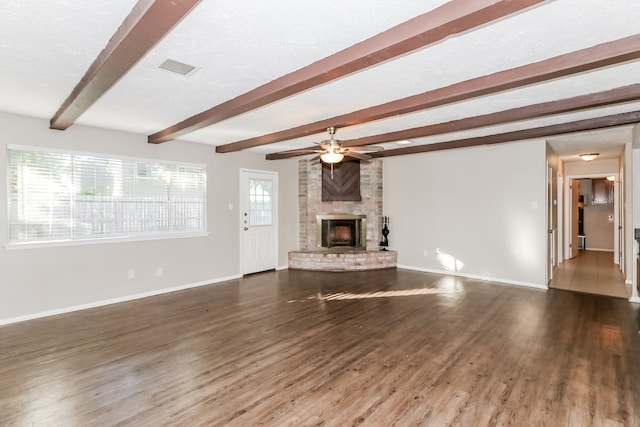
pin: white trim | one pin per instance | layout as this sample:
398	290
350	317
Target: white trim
113	301
600	250
101	154
99	241
475	276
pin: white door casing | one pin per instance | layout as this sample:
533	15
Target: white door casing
575	191
569	208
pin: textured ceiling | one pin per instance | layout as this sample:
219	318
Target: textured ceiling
47	46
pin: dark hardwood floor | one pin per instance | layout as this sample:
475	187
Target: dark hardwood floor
296	348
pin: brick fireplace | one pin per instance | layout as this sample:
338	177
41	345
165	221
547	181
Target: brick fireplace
341	255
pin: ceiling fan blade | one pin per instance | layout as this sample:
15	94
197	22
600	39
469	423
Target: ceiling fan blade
356	155
304	151
366	148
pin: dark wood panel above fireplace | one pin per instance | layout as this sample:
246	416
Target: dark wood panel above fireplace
343	184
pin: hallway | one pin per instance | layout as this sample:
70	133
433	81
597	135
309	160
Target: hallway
591	272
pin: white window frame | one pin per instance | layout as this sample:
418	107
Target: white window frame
161	235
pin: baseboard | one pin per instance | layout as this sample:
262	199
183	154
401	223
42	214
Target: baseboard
598	250
634	299
113	301
474	276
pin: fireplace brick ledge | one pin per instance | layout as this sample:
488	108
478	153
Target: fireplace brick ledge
342	260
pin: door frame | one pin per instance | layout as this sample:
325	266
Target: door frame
241	195
568	210
552	213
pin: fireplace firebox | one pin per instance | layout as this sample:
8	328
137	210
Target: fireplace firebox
341	232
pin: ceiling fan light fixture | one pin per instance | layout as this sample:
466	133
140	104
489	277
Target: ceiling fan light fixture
587	157
332	156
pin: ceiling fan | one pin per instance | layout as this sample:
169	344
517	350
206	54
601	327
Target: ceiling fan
332	151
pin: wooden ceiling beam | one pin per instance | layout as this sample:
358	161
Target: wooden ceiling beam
581	102
519	135
453	17
599	56
148	22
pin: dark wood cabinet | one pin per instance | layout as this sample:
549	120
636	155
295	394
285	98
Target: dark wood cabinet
602	191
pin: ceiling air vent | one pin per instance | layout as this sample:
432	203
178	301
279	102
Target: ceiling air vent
177	67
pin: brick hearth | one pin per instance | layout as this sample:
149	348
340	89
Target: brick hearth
342	261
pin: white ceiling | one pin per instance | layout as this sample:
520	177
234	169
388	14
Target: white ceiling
238	45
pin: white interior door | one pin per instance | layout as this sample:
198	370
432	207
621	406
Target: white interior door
575	192
551	243
258	221
621	198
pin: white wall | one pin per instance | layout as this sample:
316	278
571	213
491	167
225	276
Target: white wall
592	168
482	206
47	280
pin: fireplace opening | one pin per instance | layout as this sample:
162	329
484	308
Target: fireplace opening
342	231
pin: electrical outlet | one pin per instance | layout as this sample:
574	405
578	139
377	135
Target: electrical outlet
131	273
159	272
426	253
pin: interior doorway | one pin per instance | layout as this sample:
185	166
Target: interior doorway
592	220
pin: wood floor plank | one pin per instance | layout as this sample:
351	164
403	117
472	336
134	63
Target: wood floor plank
297	348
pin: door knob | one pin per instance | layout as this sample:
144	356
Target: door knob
246	228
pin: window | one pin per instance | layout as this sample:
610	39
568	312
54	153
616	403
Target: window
57	196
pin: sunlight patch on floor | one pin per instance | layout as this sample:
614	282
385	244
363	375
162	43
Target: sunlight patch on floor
341	296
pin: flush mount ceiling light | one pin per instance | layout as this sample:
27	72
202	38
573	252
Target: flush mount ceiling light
587	157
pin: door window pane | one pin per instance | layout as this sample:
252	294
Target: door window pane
260	201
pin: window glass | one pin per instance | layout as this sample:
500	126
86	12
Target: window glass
260	205
58	196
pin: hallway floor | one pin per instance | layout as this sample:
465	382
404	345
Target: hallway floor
591	272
